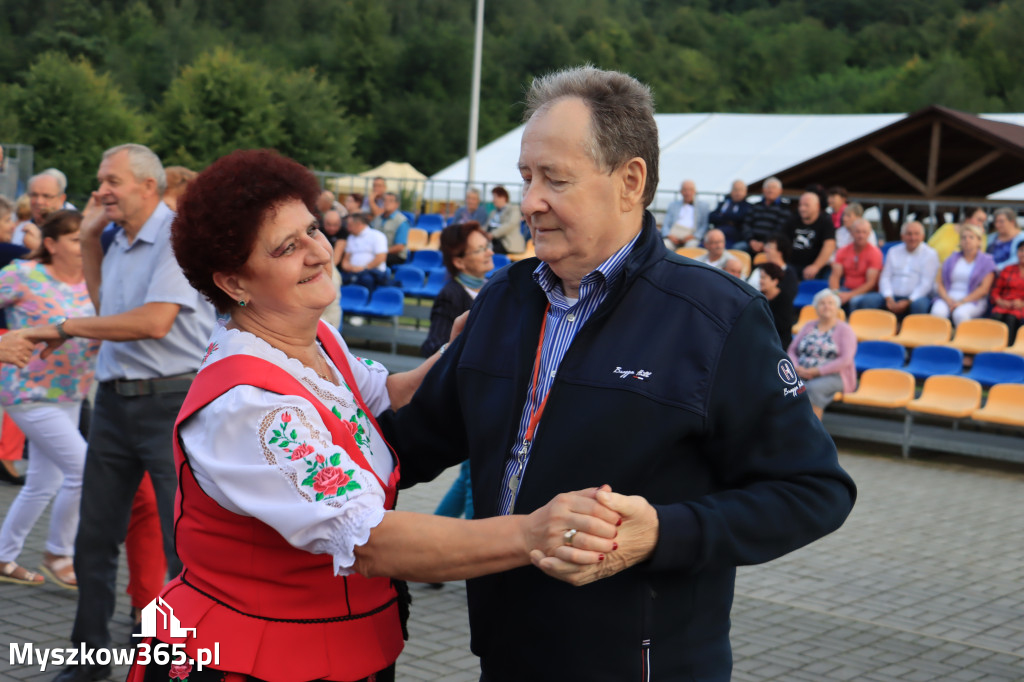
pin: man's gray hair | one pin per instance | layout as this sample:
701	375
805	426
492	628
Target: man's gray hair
144	163
59	177
622	123
772	181
906	226
854	209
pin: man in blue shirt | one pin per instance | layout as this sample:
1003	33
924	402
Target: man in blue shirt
154	328
609	360
395	226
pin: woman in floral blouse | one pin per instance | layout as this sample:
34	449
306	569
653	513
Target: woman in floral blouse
823	352
45	398
285	520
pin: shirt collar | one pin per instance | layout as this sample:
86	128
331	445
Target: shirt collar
150	228
606	272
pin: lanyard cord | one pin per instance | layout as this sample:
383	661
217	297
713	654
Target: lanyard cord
535	416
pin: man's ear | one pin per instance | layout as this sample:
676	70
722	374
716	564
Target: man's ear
633	178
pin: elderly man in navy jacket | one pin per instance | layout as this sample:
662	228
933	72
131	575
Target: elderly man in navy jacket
613	361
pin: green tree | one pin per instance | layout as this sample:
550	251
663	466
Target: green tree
71	114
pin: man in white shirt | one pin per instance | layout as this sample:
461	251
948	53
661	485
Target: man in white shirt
714	242
908	276
365	253
686	219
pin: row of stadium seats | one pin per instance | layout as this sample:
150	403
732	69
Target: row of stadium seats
926	361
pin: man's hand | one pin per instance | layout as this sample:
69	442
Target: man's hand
756	245
845	296
811	271
895	306
637	538
15	349
94	217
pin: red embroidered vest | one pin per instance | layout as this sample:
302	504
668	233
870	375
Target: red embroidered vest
276	612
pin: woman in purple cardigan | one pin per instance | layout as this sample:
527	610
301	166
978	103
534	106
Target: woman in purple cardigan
823	352
967	277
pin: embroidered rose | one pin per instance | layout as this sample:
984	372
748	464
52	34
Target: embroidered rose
303	450
320	459
285	417
180	671
209	349
352	427
329	479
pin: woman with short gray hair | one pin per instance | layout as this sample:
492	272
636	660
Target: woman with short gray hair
823	352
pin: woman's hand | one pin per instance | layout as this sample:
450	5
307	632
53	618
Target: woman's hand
807	372
458	325
596	526
636	540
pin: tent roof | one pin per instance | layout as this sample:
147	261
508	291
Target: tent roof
932	153
714	149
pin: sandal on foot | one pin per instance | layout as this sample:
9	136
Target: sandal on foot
61	571
19	575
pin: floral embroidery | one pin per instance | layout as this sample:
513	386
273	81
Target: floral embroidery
209	349
324	475
180	671
357	430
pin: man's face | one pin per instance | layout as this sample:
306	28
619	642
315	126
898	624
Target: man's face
379	187
123	196
1004	227
739	191
472	201
390	203
861	234
836	202
689	191
714	242
771	191
44	197
324	202
575	209
356	227
913	235
809	207
978	218
332	222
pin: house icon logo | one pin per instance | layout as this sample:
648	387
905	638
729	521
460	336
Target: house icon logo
158	608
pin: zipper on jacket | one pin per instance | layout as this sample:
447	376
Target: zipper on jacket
647	618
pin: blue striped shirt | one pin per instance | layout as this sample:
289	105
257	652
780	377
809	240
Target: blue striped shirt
565	318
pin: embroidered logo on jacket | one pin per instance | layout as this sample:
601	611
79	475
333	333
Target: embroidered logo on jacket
639	374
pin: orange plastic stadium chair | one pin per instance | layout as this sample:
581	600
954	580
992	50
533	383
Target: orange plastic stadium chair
892	388
1005	405
948	396
873	325
980	335
418	239
743	257
924	330
434	241
691	251
1018	346
760	258
529	253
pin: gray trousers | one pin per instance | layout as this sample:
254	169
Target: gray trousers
127	436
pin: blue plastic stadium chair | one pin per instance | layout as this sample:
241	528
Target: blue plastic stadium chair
500	261
431	222
409	277
879	355
354	298
808	288
386	302
888	245
425	259
997	368
410	216
928	361
436	280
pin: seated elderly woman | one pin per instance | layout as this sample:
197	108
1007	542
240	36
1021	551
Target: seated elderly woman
285	519
468	257
823	352
1008	295
966	278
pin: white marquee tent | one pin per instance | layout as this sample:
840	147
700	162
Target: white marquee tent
712	149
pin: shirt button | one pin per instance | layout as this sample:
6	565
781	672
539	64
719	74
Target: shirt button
553	374
571	317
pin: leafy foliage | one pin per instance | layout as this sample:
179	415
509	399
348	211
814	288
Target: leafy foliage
345	84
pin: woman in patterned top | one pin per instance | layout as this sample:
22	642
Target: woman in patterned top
1008	295
45	398
285	518
823	352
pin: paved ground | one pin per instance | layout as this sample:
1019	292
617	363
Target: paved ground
924	582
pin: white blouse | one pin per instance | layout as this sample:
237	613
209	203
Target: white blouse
270	456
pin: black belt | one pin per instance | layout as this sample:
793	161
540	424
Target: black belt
133	388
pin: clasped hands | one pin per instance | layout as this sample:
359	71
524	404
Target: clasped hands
613	532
